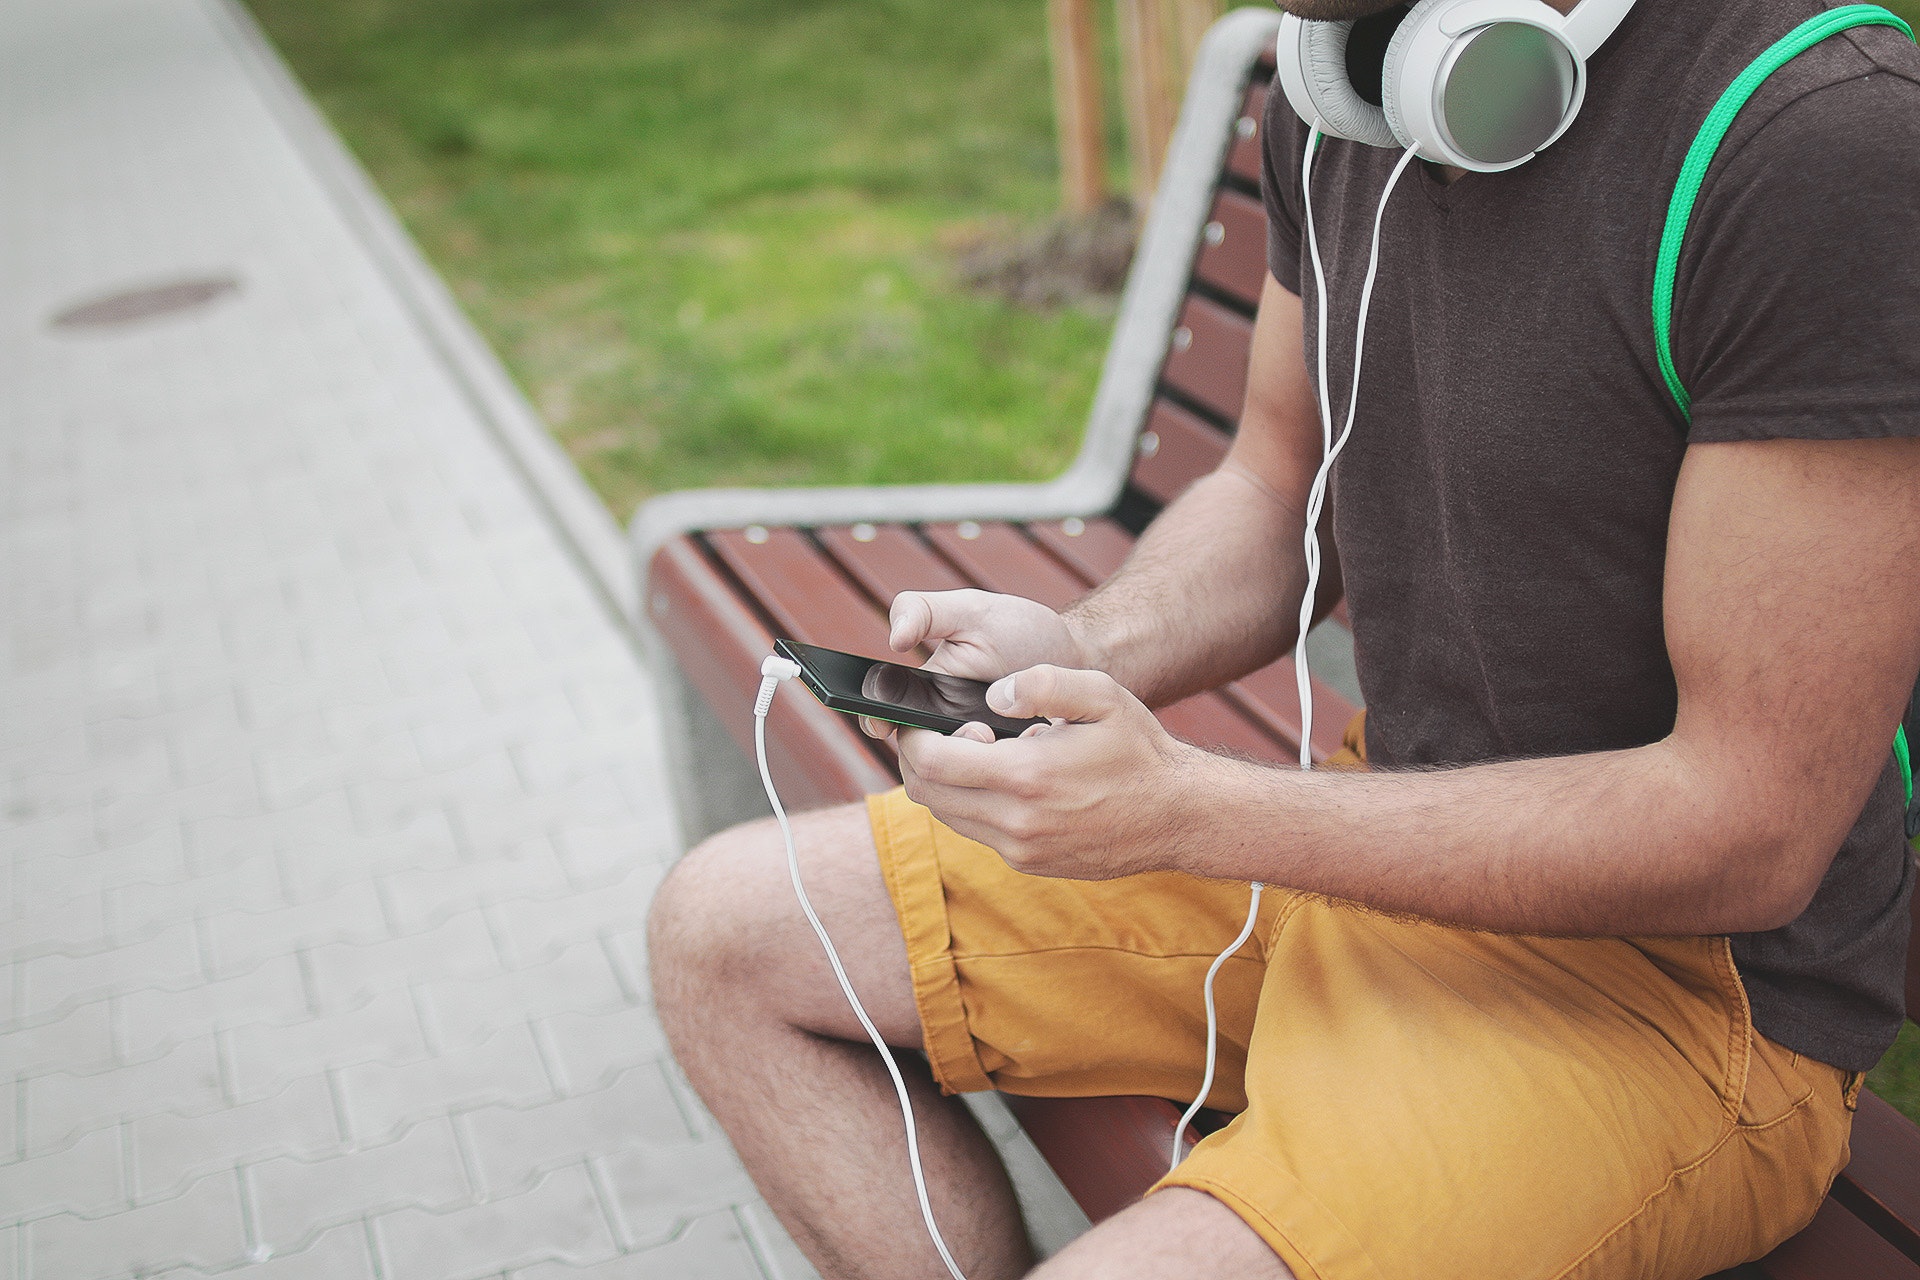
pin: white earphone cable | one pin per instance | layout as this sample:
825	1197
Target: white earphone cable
773	671
1316	498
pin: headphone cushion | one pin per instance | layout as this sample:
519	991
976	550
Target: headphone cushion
1421	14
1345	113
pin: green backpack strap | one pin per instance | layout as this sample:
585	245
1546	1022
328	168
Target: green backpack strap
1693	172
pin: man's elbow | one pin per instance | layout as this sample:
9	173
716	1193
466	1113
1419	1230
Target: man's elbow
1769	878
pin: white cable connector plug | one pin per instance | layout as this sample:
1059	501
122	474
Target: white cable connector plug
773	673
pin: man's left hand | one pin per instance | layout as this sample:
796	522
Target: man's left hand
1097	792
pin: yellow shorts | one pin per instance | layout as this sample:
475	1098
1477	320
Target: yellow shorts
1413	1100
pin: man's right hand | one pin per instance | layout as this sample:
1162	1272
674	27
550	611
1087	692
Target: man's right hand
981	635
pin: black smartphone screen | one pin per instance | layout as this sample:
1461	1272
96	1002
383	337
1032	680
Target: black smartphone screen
899	695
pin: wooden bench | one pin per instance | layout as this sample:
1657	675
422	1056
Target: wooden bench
724	571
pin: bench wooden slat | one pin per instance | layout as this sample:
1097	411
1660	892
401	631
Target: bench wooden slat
1879	1184
1182	447
887	559
818	754
1838	1246
1100	1147
1233	254
1208	362
1100	547
1000	558
803	590
1243	160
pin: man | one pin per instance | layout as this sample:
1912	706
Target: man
1580	977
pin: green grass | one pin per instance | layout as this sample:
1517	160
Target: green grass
714	242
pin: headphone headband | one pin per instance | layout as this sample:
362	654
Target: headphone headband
1481	84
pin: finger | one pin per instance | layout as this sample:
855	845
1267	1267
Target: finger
966	763
908	621
919	616
875	728
974	730
1058	693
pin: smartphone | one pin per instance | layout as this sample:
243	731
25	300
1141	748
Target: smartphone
899	695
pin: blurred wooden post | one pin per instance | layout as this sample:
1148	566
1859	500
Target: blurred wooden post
1158	41
1143	67
1077	106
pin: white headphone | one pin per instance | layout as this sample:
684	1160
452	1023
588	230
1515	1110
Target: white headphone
1481	84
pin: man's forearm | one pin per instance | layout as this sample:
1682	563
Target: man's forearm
1645	841
1211	592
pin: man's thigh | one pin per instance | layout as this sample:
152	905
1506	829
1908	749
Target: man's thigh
1426	1101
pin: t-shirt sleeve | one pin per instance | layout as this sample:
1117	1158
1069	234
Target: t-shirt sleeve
1280	143
1799	309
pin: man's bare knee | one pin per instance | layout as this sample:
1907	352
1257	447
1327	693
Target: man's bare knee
725	925
1176	1234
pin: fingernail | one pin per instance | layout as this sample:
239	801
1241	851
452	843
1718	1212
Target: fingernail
1000	694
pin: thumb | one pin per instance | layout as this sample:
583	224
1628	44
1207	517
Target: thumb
1057	693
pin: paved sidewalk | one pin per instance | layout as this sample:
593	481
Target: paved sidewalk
329	805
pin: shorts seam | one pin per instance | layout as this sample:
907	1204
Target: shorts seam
1672	1180
1736	1130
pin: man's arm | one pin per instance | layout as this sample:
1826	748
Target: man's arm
1213	587
1794	630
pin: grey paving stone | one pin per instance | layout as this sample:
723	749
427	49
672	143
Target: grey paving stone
51	982
244	939
62	1105
592	1049
344	972
513	1145
85	1178
340	1254
149	1021
264	1056
711	1247
202	1229
82	1037
579	979
293	1199
382	1098
656	1188
562	1220
170	1150
537	928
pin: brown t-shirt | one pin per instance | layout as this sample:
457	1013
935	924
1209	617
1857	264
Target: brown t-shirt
1501	510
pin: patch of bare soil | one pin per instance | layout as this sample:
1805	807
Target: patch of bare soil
1063	263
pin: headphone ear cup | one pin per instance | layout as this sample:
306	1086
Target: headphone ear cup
1395	70
1344	112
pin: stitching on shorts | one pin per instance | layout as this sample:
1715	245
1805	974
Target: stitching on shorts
1272	941
1200	1182
1674	1177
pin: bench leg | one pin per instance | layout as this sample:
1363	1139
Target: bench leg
713	784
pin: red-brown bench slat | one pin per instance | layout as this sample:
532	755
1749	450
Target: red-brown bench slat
1100	1146
818	754
1879	1184
802	589
1838	1246
887	559
1176	449
1208	362
1233	250
1096	543
1243	161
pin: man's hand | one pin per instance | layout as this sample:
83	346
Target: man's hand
1094	794
980	635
